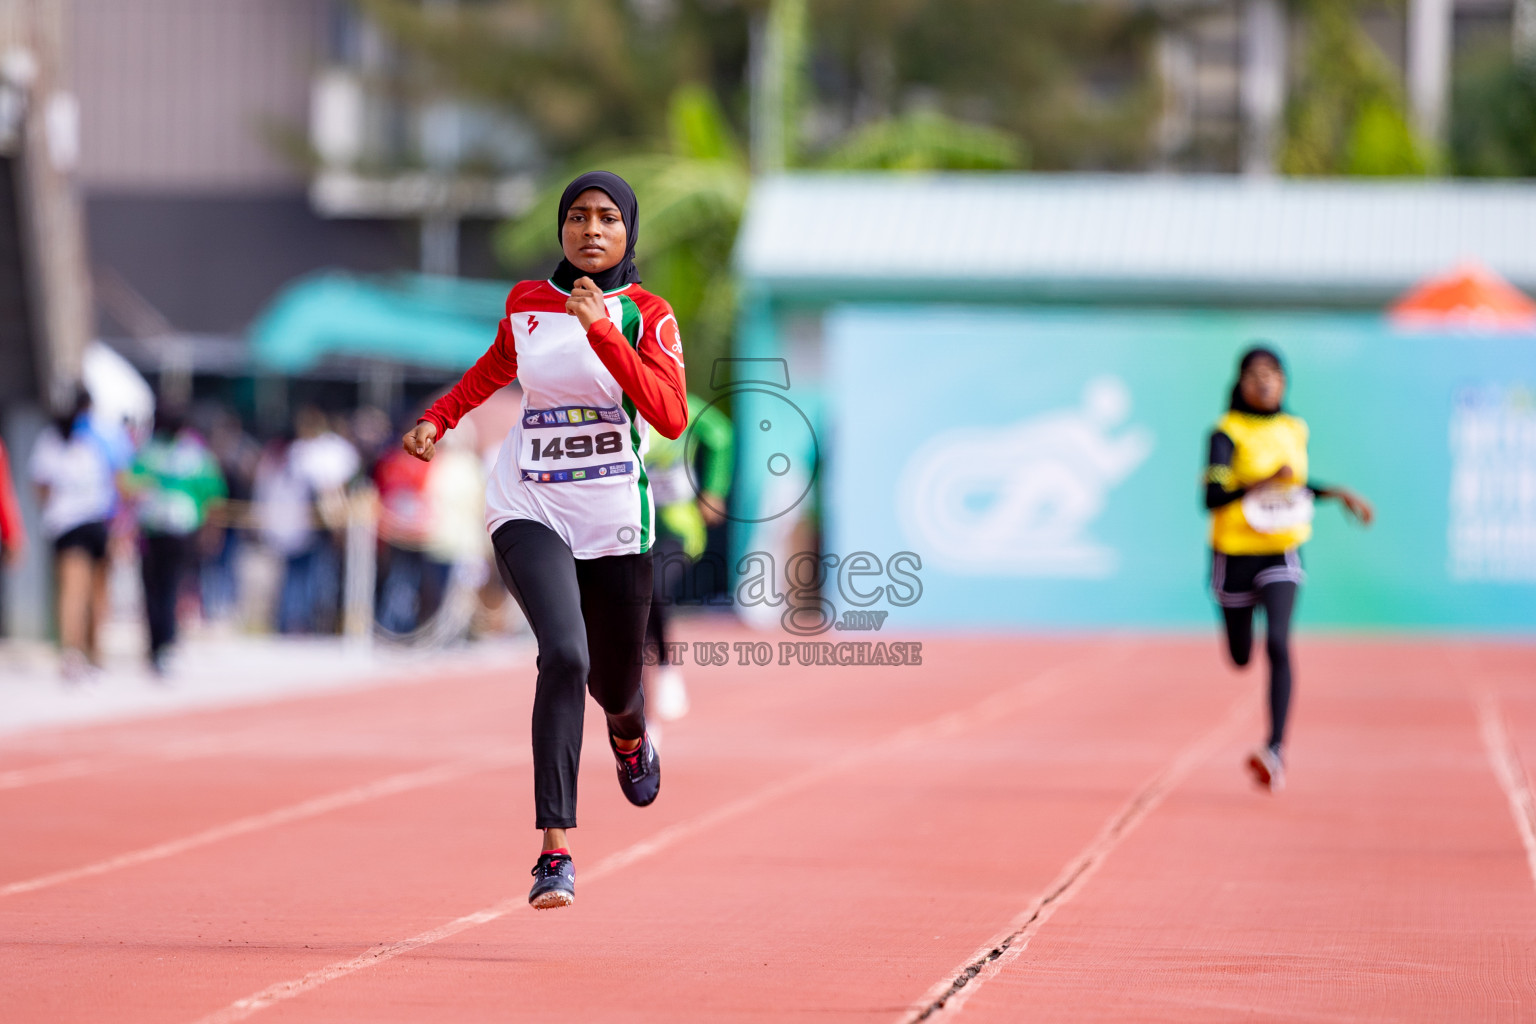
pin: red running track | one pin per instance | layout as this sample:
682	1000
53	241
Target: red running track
1016	830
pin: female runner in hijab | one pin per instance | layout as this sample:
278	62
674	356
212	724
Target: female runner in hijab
569	505
1260	497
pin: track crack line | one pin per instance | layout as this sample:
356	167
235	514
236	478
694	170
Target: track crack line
1504	757
990	960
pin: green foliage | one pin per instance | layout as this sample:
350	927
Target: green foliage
1073	81
577	70
926	141
1346	114
1493	118
697	127
1381	144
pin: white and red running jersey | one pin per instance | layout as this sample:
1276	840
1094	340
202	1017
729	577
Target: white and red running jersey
576	459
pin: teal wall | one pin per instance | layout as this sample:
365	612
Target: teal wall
1046	464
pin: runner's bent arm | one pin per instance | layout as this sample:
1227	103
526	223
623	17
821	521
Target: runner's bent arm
1353	503
1220	485
651	373
491	372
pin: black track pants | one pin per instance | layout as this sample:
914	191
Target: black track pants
164	559
1278	601
588	616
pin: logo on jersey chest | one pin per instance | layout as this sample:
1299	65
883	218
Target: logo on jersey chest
670	340
533	322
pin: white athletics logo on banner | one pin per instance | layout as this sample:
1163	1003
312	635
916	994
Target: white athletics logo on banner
1018	500
1491	534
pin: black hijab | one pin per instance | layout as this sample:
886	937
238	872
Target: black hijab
622	272
1253	355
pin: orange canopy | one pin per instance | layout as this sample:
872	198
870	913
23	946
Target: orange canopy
1469	296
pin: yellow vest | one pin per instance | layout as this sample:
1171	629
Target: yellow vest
1262	445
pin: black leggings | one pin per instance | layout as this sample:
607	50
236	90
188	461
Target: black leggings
588	616
1278	601
164	559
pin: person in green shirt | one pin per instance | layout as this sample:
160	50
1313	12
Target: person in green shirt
685	509
175	483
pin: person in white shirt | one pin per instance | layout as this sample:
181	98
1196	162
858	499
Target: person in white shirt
74	467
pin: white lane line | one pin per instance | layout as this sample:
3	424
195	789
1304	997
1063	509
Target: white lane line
948	995
54	771
254	742
1511	774
1015	698
76	767
387	786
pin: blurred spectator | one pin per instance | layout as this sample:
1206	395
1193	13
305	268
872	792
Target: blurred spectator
684	512
175	482
326	460
237	454
432	518
285	521
302	506
74	466
13	536
374	436
409	588
456	533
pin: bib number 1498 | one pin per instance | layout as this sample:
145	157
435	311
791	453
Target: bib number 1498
578	446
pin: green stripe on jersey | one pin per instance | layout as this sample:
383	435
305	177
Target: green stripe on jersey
631	324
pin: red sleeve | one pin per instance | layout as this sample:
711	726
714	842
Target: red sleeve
12	532
491	372
651	373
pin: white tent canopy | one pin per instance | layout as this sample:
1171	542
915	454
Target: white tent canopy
118	393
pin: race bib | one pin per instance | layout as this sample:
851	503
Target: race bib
574	443
1276	509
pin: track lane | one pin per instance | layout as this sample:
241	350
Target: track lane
375	789
841	899
158	781
1387	883
821	904
948	995
335	865
1010	699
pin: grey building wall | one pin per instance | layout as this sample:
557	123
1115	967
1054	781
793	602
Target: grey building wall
208	262
179	95
189	199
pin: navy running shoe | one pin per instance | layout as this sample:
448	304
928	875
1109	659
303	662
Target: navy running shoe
554	882
639	771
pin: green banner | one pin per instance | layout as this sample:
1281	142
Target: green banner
1046	466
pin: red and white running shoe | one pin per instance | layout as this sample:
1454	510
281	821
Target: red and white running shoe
1268	768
